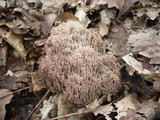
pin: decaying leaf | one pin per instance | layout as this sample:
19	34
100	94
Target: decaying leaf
128	102
3	54
106	16
117	40
49	104
112	3
2	3
50	6
131	61
14	40
47	23
104	110
82	16
150	110
151	12
146	43
4	101
121	107
129	3
37	83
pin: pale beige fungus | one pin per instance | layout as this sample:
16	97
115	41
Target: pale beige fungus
76	64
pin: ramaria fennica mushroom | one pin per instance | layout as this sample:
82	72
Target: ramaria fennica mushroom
76	65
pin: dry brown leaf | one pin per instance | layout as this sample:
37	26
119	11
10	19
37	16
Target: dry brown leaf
82	16
48	22
3	55
151	12
106	16
129	3
14	40
3	22
117	40
52	6
2	3
146	43
121	107
48	105
150	110
4	101
39	42
131	61
37	83
104	110
128	102
112	3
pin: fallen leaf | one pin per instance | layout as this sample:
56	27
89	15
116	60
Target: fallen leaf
150	110
147	44
39	42
121	107
128	102
106	16
112	3
82	16
104	110
52	6
9	73
14	40
2	3
4	101
48	22
131	61
63	17
3	55
117	40
151	12
129	3
37	83
48	105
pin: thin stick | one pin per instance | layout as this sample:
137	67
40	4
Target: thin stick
14	92
38	104
77	113
68	115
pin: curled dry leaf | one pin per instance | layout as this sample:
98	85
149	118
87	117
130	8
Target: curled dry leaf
121	107
131	61
117	40
3	54
2	3
48	105
52	6
147	44
151	12
150	110
82	16
129	3
106	16
3	102
128	102
112	3
47	23
104	110
14	40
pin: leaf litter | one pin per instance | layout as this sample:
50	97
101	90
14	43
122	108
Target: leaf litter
130	30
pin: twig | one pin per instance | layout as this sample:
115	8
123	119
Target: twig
68	115
14	92
38	104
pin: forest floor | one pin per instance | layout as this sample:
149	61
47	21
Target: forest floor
129	28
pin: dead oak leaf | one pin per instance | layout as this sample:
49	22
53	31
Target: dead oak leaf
14	40
112	3
3	102
129	3
147	44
